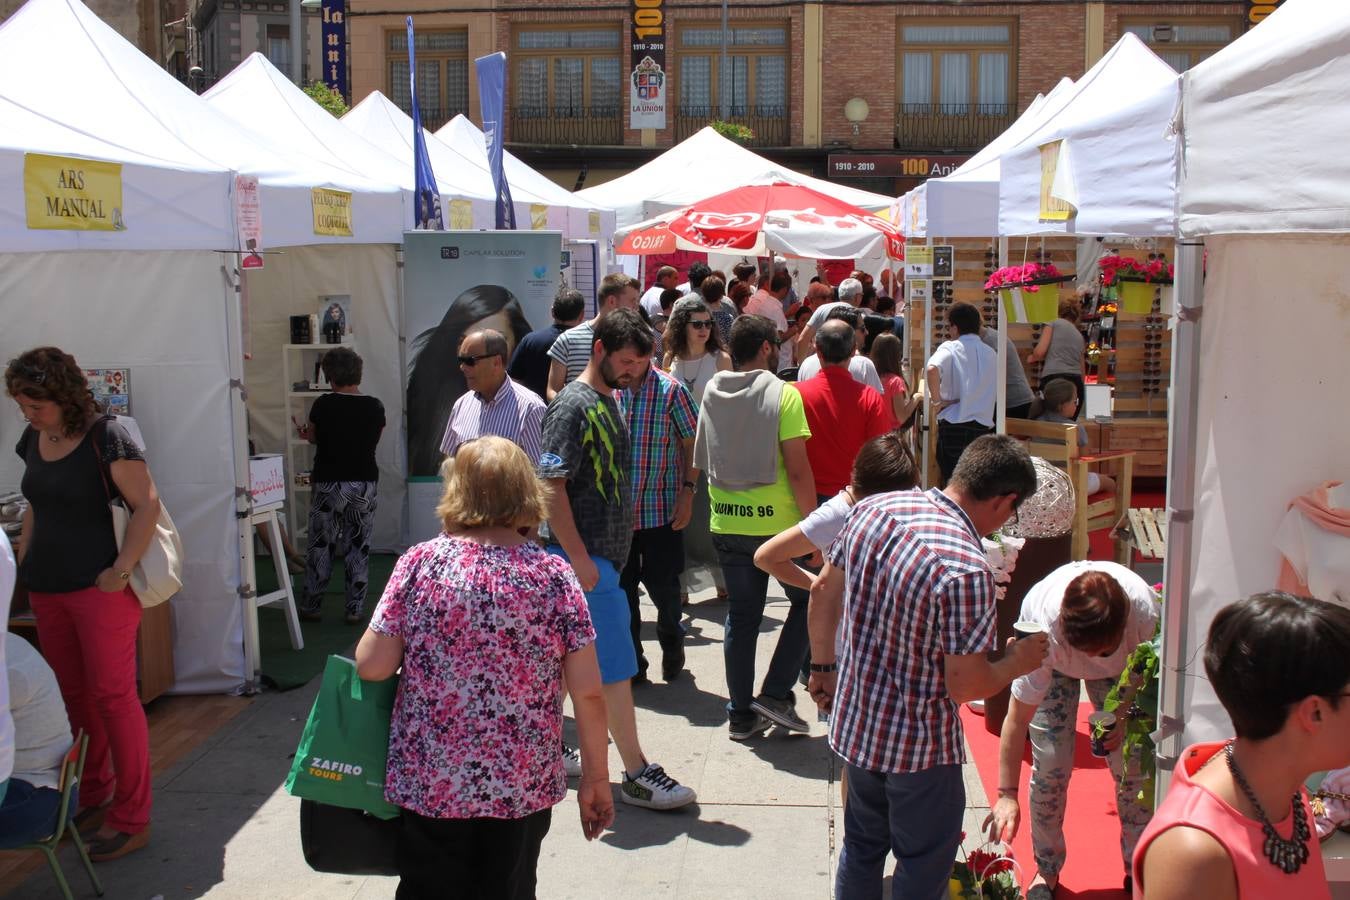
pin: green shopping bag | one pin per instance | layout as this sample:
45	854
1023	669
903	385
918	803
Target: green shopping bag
345	745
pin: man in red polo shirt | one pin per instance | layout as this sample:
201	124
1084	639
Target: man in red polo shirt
843	414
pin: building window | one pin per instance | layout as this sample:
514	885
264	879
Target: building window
568	86
442	74
957	89
756	72
279	47
1183	43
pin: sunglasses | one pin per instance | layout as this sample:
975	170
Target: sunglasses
32	374
471	361
700	323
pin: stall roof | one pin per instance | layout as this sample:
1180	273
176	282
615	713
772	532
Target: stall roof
101	85
700	166
1265	126
1117	154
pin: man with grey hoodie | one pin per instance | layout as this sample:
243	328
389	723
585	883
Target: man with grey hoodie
751	440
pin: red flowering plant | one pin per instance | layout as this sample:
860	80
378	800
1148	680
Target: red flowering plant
1127	268
985	875
1028	277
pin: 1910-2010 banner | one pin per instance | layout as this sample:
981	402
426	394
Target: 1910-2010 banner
647	55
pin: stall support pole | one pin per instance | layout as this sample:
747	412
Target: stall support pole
929	420
243	498
1001	395
1181	441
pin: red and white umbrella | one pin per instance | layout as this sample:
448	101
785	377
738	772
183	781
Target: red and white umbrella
762	218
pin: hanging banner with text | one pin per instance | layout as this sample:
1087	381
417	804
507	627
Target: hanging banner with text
332	212
335	45
647	59
1259	9
248	218
68	194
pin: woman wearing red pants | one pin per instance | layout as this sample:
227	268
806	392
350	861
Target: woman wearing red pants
77	579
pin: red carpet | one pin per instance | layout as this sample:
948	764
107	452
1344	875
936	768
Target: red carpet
1093	869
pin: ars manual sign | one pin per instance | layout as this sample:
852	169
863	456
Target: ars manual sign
70	194
332	212
647	59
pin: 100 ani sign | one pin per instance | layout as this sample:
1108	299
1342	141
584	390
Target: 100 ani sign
647	59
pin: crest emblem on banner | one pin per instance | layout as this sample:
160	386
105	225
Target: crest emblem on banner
648	79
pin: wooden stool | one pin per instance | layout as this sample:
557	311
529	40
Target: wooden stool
284	595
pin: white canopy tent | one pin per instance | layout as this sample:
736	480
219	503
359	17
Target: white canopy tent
584	221
700	166
152	297
965	203
1266	185
257	95
383	124
1117	154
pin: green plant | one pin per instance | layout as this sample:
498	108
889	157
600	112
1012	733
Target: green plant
326	97
733	131
984	875
1134	700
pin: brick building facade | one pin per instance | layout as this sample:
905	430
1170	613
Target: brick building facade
937	78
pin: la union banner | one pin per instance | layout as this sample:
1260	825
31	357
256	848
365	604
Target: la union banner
647	64
426	194
492	100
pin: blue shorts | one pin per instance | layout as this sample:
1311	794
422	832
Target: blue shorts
608	605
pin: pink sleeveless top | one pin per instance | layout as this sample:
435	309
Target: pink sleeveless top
1187	803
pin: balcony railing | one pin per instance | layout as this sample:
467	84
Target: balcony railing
950	126
581	125
770	124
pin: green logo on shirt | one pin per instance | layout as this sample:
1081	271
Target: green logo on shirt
598	441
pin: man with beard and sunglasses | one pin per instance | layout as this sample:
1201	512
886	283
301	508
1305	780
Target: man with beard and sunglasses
585	458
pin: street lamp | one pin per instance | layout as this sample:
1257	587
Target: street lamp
856	111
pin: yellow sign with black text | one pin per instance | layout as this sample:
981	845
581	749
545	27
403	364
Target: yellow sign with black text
332	212
69	194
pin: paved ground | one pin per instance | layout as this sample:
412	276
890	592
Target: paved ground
766	823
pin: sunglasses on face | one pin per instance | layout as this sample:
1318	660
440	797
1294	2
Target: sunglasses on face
471	361
700	323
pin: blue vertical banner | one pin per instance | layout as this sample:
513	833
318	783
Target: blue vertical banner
426	195
335	46
492	100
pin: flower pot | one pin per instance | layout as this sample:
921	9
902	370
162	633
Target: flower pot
1137	296
1030	306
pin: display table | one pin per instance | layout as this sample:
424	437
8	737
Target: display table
154	643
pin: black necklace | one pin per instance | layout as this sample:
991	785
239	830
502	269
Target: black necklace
1287	855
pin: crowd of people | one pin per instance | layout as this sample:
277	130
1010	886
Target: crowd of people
697	428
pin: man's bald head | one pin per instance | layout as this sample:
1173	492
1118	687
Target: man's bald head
834	342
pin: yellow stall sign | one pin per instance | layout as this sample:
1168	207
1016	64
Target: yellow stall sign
69	194
332	212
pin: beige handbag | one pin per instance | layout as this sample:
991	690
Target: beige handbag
159	573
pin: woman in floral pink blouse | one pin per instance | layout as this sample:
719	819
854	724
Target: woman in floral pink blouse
485	625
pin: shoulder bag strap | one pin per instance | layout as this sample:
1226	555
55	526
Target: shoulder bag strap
98	433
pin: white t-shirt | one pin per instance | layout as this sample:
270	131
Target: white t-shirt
967	367
1042	604
818	317
41	726
860	367
651	301
823	525
767	305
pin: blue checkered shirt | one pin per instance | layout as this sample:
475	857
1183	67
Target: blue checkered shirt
918	587
661	413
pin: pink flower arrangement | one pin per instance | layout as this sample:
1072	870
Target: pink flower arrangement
1114	267
1020	276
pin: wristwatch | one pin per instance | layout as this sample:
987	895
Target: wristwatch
125	576
691	485
825	667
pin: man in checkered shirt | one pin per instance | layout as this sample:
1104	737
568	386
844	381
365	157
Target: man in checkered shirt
909	575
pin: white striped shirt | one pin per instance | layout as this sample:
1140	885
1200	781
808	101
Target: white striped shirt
573	349
516	413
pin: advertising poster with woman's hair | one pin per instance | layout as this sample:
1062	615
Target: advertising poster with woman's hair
457	282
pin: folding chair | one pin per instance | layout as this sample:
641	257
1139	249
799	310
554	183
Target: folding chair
63	823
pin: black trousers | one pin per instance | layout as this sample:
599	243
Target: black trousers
655	560
953	439
470	859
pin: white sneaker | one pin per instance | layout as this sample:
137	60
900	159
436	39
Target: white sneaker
654	789
571	761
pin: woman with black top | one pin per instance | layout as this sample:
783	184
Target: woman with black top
75	461
344	426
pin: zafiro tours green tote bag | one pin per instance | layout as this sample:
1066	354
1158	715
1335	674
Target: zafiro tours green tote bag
345	745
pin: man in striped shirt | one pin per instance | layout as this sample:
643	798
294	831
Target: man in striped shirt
571	352
493	404
918	620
